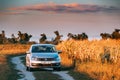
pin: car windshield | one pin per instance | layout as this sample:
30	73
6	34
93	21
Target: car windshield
43	49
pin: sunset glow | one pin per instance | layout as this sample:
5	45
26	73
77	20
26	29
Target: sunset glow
36	17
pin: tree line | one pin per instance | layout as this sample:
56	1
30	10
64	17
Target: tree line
24	38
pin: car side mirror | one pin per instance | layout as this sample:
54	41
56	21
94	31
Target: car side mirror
59	52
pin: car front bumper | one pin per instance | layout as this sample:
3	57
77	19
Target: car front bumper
45	64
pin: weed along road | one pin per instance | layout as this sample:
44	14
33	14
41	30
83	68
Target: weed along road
27	75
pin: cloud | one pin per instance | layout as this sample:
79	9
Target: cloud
66	8
11	13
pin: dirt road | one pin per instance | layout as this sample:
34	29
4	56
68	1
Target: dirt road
26	75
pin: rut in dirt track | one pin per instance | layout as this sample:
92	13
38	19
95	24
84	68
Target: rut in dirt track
22	69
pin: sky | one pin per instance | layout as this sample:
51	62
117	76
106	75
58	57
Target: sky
67	16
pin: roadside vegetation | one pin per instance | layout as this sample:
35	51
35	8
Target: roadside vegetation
85	58
89	57
7	51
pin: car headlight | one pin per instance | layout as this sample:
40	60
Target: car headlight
57	58
34	58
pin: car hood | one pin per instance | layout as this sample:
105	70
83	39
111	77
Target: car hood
45	55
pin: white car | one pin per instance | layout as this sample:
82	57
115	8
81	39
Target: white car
43	56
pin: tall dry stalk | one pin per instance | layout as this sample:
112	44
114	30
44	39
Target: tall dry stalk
88	57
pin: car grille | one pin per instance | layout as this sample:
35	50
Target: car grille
45	59
39	64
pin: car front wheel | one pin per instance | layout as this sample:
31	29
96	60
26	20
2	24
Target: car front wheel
29	69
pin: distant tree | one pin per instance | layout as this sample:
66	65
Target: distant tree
23	37
105	36
3	39
57	38
43	38
82	36
116	34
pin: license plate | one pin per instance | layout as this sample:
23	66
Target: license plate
46	62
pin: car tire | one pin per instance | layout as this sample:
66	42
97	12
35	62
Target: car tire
29	69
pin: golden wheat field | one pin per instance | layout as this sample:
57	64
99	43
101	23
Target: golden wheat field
11	49
6	68
85	54
88	60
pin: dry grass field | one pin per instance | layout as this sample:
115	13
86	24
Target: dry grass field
87	58
13	48
84	55
6	68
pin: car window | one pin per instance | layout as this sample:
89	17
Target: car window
43	49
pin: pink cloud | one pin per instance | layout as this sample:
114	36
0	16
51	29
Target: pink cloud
63	8
10	13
